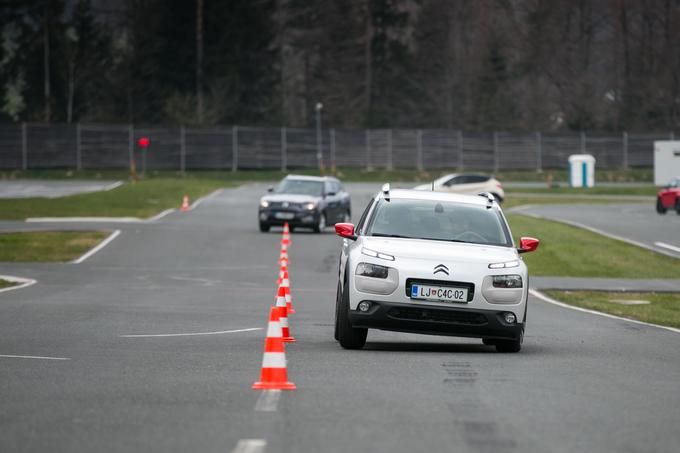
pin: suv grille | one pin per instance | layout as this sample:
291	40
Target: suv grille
445	316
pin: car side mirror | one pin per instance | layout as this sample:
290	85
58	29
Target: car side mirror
527	244
270	189
330	194
345	230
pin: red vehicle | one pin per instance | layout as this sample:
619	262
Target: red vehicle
669	197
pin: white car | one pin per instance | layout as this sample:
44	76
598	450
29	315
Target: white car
432	263
467	184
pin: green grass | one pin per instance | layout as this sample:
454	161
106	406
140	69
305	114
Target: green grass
567	251
664	308
647	190
47	246
141	199
512	200
6	284
346	174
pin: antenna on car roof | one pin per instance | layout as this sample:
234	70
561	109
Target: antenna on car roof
489	199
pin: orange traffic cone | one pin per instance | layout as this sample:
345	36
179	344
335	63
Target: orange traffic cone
283	315
286	235
285	283
283	256
282	272
185	204
274	375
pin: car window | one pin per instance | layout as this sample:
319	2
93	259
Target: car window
362	220
439	220
454	180
476	179
328	187
300	187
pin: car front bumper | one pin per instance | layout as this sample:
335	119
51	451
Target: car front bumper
299	218
436	320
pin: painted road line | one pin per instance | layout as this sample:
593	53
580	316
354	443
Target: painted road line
23	282
162	214
220	332
101	245
550	300
9	356
84	219
250	446
667	246
113	186
268	401
198	202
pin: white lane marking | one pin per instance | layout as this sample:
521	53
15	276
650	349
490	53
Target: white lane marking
667	246
268	401
550	300
23	282
112	186
84	219
598	231
9	356
101	245
198	202
161	215
250	446
189	334
203	281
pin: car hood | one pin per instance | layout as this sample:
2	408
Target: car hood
440	250
291	198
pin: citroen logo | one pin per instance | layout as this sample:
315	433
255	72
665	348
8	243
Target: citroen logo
441	268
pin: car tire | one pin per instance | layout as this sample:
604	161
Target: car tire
338	296
347	217
264	227
660	207
677	205
349	337
291	228
319	227
510	345
489	341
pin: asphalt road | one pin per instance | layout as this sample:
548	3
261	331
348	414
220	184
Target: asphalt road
582	383
51	189
637	222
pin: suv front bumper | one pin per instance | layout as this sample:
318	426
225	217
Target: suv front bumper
435	320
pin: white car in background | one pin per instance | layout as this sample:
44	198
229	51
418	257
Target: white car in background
432	263
466	184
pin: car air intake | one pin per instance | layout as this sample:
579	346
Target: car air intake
433	315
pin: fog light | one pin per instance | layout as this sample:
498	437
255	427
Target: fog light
364	306
510	318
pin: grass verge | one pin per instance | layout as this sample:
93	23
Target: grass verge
141	199
646	190
48	246
6	284
567	251
512	200
663	308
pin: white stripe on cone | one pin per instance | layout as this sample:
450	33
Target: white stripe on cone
274	360
274	330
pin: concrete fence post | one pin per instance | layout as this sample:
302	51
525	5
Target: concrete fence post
461	163
671	136
495	152
182	149
332	144
234	148
79	151
369	166
131	146
284	149
625	150
24	146
390	163
583	142
539	152
419	144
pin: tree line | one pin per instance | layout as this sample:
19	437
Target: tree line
462	64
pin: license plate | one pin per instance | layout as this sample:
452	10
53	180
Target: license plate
439	293
284	215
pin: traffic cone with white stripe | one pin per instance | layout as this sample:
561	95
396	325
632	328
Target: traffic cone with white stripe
283	315
285	283
286	235
185	204
282	272
274	375
283	256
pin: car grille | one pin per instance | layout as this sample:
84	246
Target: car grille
279	204
445	316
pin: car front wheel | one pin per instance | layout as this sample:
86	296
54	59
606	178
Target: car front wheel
319	227
660	207
677	205
264	227
509	345
349	337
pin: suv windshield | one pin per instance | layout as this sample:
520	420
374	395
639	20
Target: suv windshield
439	221
300	187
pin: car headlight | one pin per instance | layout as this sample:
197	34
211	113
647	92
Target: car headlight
372	270
310	206
374	254
507	281
513	263
264	203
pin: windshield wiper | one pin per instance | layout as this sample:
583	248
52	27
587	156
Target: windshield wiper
384	235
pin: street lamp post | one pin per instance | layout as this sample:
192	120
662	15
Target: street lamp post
319	139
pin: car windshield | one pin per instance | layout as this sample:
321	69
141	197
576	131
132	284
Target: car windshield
439	221
300	187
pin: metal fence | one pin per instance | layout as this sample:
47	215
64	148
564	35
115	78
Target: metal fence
113	146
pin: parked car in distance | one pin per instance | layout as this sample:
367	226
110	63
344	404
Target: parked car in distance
471	184
305	201
669	197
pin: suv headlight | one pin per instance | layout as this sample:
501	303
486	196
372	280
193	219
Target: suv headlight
310	206
513	263
374	254
372	270
507	281
264	203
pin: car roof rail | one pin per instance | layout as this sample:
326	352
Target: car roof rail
490	199
386	191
